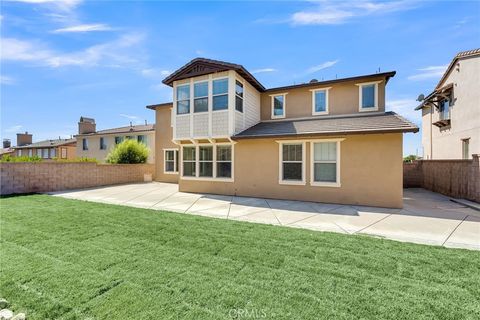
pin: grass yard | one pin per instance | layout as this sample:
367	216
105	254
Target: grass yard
68	259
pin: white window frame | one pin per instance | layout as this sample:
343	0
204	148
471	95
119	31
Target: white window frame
175	166
202	97
280	162
63	153
284	105
360	93
314	91
197	162
314	183
221	94
189	84
242	97
30	152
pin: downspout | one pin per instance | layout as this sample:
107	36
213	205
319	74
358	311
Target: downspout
431	130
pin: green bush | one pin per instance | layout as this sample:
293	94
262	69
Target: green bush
82	159
410	158
9	158
129	151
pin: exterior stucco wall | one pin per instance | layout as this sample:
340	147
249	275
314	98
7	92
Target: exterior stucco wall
446	143
342	99
70	152
371	173
94	150
163	139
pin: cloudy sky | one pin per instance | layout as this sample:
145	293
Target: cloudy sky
106	59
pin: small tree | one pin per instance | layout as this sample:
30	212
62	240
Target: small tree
410	158
129	151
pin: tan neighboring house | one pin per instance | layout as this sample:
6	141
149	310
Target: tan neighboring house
451	113
97	144
46	149
329	141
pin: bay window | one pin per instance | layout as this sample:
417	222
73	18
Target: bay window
200	97
325	167
220	94
238	96
291	166
183	99
189	162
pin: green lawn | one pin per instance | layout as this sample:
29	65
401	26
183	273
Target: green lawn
67	259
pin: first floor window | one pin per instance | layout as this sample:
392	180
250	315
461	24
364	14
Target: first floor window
142	139
171	161
103	144
84	144
205	154
278	106
189	161
30	152
39	153
465	148
224	161
118	140
45	153
63	152
19	152
292	162
53	153
325	162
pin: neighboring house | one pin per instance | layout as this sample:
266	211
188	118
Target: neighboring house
98	144
451	113
46	149
328	141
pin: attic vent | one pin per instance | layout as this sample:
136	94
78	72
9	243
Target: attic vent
313	81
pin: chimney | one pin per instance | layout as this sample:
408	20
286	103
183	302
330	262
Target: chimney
6	143
86	125
24	139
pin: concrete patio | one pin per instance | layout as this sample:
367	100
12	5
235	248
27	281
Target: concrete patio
427	217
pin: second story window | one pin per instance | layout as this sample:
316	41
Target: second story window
118	140
183	99
444	109
368	96
200	97
320	101
103	144
220	94
142	139
278	106
84	144
238	96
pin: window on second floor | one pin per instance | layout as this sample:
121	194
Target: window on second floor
183	99
444	109
220	94
84	144
278	106
320	101
466	148
238	96
118	140
103	144
368	96
142	139
200	97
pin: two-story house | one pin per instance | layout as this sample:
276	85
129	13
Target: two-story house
62	149
329	141
98	144
451	113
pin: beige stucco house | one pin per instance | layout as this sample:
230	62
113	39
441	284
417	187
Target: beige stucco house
451	113
97	144
62	149
329	141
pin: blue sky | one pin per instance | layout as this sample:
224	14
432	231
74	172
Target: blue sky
106	59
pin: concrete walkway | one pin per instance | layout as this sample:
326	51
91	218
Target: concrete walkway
427	217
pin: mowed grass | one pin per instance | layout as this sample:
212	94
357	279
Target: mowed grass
68	259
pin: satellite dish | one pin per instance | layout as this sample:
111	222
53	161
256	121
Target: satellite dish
421	97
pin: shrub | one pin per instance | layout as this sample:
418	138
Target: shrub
9	158
82	159
410	158
129	151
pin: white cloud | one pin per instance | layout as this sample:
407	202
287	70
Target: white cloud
13	129
336	12
152	72
84	28
264	70
322	66
405	108
63	5
7	80
115	53
134	119
428	73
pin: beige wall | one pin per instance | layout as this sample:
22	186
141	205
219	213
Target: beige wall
371	173
342	99
446	143
163	138
94	150
71	152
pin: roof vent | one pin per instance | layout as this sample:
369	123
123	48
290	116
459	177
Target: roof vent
313	81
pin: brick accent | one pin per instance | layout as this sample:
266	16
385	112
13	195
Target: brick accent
454	178
26	177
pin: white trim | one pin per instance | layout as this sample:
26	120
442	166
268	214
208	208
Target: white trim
214	166
314	91
314	183
280	163
360	85
273	116
202	97
175	167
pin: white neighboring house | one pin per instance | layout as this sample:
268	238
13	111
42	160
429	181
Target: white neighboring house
451	113
97	144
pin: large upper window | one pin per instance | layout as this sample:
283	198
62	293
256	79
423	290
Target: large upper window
189	162
278	106
205	154
292	162
171	161
320	101
368	96
325	163
238	96
183	99
444	109
84	144
220	94
224	161
200	97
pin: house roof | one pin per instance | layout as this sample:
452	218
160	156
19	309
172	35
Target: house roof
127	129
460	55
47	143
202	66
6	151
159	105
385	122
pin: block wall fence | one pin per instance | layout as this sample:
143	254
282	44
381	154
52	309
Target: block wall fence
27	177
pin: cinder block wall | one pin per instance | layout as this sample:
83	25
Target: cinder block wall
454	178
26	177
